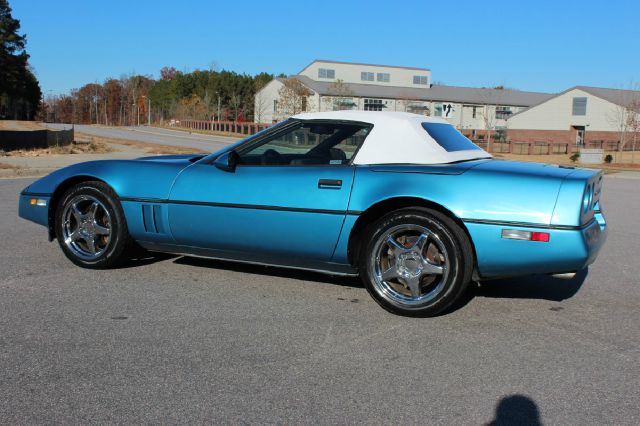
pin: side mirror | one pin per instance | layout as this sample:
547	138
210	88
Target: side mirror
227	161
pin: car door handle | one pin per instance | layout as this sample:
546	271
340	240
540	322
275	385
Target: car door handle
329	184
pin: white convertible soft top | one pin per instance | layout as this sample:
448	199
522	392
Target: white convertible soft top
397	138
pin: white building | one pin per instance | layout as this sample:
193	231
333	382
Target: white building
332	85
577	115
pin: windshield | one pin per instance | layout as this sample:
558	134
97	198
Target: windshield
448	137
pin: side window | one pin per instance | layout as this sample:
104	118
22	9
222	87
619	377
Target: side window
311	143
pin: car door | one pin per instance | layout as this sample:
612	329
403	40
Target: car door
285	202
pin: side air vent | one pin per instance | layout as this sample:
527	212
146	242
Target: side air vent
153	219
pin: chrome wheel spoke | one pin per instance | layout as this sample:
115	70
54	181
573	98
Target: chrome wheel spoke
74	236
77	214
91	213
420	243
429	268
395	246
101	230
414	285
389	274
91	244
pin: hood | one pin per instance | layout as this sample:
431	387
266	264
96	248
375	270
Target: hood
186	158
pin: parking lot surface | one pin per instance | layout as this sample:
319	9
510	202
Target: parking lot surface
184	340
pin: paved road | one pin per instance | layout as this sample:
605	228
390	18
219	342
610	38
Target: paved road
181	340
157	135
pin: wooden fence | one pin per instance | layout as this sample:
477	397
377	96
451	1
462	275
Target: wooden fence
507	147
240	129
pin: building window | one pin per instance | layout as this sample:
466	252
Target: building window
383	77
421	79
275	106
373	105
304	104
326	73
579	106
474	112
503	112
366	76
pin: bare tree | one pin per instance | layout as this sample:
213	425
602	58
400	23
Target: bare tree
489	99
235	101
260	108
293	97
340	96
624	114
633	123
413	104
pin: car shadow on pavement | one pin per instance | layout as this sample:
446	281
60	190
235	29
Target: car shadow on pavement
246	268
545	287
516	410
145	258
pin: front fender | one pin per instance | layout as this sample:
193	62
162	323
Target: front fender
128	178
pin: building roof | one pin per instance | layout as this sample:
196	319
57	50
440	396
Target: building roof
455	94
366	65
615	96
397	138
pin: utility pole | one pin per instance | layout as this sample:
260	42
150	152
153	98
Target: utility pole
148	110
218	93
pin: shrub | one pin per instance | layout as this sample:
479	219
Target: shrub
608	159
574	157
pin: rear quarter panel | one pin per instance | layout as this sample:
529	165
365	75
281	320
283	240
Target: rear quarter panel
486	195
482	191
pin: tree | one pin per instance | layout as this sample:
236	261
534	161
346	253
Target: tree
633	122
293	97
622	116
488	112
167	73
20	92
340	96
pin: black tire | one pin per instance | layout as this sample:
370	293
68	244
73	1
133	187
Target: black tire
119	241
452	239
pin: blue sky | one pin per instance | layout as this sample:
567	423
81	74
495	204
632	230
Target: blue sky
529	45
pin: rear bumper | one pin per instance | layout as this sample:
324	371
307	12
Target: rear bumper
568	249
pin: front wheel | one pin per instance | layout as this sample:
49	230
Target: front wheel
91	227
416	262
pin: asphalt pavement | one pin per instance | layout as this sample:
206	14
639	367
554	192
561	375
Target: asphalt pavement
157	135
184	340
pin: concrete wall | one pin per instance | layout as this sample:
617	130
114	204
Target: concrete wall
351	73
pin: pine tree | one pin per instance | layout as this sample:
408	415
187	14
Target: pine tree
19	89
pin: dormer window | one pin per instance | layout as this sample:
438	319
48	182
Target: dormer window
366	76
422	80
326	73
383	77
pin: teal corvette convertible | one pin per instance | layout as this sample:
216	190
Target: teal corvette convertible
403	200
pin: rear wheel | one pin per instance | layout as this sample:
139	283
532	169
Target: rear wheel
90	226
416	262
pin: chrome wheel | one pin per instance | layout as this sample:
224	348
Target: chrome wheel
86	227
409	265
